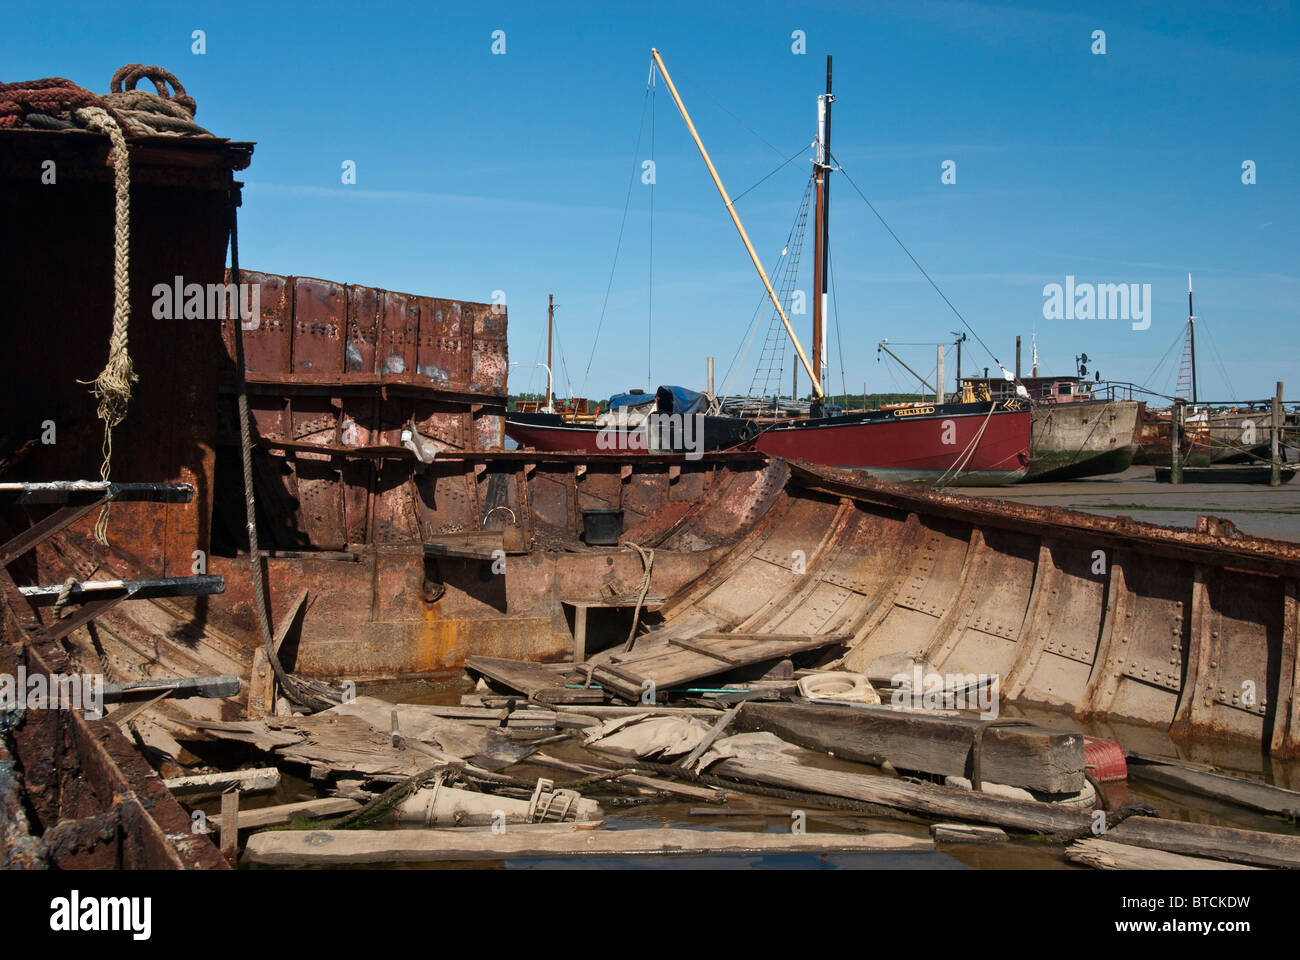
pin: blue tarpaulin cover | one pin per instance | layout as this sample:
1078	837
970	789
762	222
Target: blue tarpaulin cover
666	400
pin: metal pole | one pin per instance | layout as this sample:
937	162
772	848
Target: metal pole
927	386
1275	474
938	378
726	200
1175	435
709	379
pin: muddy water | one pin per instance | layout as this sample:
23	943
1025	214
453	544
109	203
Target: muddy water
1260	510
626	810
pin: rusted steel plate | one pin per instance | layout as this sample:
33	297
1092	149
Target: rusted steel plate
57	332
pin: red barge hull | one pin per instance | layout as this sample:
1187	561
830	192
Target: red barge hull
982	446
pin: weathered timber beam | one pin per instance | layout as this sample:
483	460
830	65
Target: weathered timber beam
205	784
225	685
318	847
940	803
1108	855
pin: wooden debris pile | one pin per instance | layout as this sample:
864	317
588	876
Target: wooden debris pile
532	763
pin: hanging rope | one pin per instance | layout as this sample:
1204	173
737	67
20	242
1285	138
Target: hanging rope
647	561
113	385
54	103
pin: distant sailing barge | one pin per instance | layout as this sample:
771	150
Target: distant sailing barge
980	443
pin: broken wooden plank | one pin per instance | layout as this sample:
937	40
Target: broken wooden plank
966	833
1207	781
1253	847
476	545
688	762
230	825
541	682
285	812
946	803
708	651
249	781
1050	761
1107	855
819	639
666	664
323	847
525	716
592	711
254	732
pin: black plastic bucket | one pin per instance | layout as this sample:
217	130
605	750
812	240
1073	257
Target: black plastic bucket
602	528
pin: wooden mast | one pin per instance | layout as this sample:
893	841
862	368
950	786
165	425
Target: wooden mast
550	325
1191	335
753	255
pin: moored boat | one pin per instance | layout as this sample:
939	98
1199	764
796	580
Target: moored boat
970	444
1076	431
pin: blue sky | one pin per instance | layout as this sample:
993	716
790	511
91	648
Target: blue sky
479	172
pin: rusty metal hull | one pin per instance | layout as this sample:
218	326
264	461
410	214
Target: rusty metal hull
1189	632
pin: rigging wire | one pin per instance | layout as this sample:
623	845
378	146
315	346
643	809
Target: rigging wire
1178	338
785	163
744	344
692	82
618	246
559	348
927	276
839	338
772	356
1218	360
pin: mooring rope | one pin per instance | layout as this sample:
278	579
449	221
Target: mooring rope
964	458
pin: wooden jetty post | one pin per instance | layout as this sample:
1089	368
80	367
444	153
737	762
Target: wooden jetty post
1275	474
